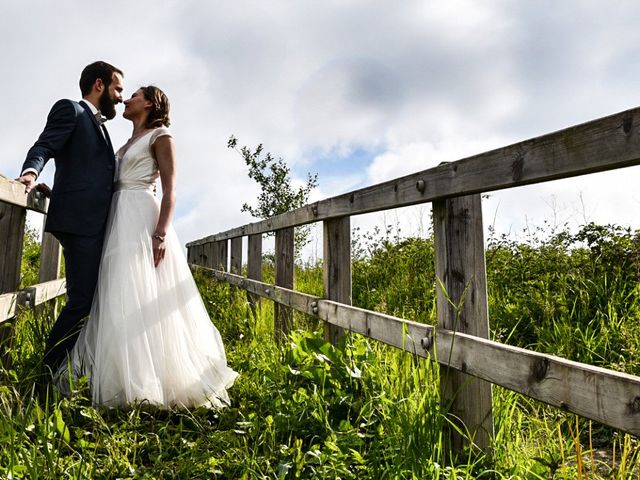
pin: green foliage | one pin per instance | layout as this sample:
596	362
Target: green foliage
304	410
394	275
277	195
361	410
30	258
572	295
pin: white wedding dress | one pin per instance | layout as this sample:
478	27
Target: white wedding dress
148	338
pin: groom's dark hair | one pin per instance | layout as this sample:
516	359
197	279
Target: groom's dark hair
97	70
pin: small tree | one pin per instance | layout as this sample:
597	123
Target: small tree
277	195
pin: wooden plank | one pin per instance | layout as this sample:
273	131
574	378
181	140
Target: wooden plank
609	397
206	255
201	257
12	192
336	269
605	144
198	255
223	255
36	295
461	300
45	291
236	255
402	334
284	258
8	306
50	259
254	257
214	251
12	221
254	266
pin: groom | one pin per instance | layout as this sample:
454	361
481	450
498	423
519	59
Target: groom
77	139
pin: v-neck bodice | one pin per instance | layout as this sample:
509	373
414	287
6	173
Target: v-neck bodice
136	167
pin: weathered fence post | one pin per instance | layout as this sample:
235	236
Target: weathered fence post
12	220
50	258
201	258
206	255
196	254
254	266
462	306
236	255
235	264
223	255
214	254
336	252
191	254
283	316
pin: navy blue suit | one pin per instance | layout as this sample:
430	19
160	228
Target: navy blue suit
78	209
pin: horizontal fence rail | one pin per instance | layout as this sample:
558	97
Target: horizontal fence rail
606	396
33	296
600	145
12	192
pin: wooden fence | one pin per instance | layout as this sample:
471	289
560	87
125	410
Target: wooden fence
470	362
13	208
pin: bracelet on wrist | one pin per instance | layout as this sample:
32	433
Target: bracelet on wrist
158	237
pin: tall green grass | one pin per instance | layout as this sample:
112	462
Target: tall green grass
306	409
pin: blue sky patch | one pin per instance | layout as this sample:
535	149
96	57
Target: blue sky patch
336	163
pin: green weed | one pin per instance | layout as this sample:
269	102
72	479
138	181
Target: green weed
360	410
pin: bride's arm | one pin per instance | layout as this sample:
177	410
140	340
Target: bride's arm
165	154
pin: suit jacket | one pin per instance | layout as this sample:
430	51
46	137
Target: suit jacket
85	165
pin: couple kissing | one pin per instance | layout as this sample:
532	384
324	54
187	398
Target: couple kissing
134	322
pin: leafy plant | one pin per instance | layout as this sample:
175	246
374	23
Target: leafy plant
277	194
306	409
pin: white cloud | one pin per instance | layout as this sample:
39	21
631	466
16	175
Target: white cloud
406	158
416	83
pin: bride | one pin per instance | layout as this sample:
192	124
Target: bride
148	337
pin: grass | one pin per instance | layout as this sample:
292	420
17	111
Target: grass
306	409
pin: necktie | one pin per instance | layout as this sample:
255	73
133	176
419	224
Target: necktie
100	119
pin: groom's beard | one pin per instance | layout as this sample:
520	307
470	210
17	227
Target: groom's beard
107	106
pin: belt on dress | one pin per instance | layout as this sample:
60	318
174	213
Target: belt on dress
132	185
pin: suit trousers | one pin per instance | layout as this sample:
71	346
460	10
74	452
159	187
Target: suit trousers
82	263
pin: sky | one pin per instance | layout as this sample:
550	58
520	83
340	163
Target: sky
357	91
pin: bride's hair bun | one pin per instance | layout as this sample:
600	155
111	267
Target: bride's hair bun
159	114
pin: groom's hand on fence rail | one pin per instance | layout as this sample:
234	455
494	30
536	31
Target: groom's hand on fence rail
28	180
